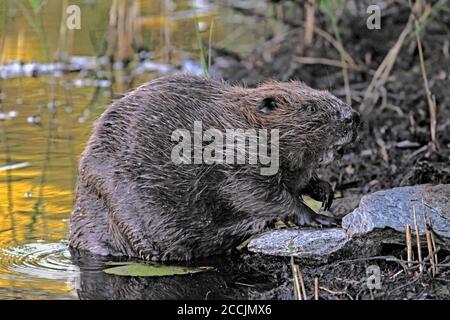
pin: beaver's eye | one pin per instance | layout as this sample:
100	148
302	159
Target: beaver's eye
267	105
309	108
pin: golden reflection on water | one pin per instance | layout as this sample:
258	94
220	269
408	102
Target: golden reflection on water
35	200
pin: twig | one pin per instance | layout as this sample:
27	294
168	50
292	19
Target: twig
397	274
384	70
245	284
347	57
405	285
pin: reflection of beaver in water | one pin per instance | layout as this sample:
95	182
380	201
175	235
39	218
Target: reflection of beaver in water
133	200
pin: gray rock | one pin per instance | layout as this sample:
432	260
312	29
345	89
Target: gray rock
393	209
380	218
301	243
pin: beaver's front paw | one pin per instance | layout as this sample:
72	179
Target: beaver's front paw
307	217
320	190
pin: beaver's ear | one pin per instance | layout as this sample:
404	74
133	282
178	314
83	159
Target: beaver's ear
267	104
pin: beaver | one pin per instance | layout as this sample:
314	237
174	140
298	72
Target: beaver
133	199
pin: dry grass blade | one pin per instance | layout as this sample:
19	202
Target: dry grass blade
383	149
408	245
325	61
310	13
112	29
296	279
316	288
136	26
433	243
430	247
297	288
125	28
419	249
430	98
302	283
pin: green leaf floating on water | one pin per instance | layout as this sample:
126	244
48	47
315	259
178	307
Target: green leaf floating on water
149	270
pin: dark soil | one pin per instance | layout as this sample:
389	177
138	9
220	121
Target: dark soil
348	279
393	148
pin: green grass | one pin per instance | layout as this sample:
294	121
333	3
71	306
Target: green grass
34	21
205	59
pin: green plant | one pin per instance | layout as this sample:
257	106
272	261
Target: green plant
204	60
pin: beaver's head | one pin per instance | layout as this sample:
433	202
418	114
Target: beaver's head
313	125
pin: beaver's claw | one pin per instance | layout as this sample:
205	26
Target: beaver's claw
320	190
325	194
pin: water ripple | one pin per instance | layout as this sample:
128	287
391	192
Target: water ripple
40	260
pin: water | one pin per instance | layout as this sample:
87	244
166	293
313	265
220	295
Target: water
38	270
46	114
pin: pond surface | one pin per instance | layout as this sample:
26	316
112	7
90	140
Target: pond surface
46	113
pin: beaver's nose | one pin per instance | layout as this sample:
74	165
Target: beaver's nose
348	115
